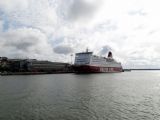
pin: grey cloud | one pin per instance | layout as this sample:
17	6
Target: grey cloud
107	27
140	27
152	32
1	25
81	9
20	41
63	49
24	42
140	12
22	46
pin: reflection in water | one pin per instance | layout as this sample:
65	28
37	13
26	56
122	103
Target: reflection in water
119	96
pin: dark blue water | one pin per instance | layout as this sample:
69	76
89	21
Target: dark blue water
115	96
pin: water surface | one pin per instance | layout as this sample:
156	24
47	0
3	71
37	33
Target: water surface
114	96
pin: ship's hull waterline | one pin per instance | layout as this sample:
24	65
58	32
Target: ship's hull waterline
96	69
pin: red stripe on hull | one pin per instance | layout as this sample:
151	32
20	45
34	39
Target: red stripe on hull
96	69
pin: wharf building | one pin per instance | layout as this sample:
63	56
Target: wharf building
33	65
47	66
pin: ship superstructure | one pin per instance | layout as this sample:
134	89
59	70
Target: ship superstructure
86	62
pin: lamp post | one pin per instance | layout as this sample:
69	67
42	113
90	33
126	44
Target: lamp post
71	58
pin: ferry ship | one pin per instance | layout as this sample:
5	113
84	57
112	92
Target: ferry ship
87	62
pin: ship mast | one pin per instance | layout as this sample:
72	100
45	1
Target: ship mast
87	50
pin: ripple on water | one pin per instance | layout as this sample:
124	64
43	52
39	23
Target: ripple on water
81	97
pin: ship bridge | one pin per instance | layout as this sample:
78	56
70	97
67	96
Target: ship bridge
83	58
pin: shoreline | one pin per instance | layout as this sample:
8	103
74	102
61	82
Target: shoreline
31	73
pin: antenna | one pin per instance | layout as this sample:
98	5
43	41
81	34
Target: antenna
87	49
71	58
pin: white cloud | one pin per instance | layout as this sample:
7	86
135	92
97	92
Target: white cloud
10	5
37	28
31	13
105	49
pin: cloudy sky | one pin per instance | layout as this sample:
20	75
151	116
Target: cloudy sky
55	29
